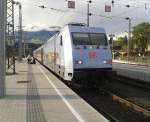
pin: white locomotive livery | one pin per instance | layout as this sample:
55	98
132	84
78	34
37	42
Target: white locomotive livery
76	52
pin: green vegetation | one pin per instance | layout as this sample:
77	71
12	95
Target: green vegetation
120	44
140	37
138	44
139	40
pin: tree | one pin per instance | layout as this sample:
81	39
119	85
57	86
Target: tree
141	36
120	43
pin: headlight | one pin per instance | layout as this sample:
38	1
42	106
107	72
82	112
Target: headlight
107	61
104	62
78	62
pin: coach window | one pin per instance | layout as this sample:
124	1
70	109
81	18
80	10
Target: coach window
61	41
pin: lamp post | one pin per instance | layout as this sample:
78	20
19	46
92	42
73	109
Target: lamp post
129	37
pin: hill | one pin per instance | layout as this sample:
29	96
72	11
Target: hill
37	37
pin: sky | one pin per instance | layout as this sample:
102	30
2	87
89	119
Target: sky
35	18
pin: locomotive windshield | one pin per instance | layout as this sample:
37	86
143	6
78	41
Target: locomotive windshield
89	39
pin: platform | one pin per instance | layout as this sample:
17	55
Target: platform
133	71
36	95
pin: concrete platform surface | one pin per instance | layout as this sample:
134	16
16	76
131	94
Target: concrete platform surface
133	71
36	95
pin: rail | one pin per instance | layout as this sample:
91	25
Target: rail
128	103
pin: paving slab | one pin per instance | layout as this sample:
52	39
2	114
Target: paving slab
36	95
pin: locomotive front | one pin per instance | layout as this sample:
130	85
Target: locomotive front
92	56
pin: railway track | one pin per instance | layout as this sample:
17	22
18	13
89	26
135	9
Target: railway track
129	104
110	104
90	92
133	91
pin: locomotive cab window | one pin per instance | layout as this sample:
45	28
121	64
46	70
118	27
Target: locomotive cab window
61	41
89	39
98	39
81	39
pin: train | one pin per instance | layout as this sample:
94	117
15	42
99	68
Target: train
77	53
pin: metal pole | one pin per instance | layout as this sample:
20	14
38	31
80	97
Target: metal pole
24	50
7	53
10	34
13	30
13	57
88	12
20	32
14	65
2	46
129	38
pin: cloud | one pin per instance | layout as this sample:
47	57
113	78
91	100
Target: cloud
43	18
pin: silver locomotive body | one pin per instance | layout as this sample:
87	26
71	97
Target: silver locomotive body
76	51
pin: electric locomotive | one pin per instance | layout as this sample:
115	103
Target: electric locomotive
77	52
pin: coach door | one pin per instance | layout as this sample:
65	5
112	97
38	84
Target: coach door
59	57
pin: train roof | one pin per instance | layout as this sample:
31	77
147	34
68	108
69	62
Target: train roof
78	28
85	29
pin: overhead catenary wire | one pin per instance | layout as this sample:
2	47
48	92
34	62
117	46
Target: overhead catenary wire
65	11
68	10
78	12
116	3
109	17
132	3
